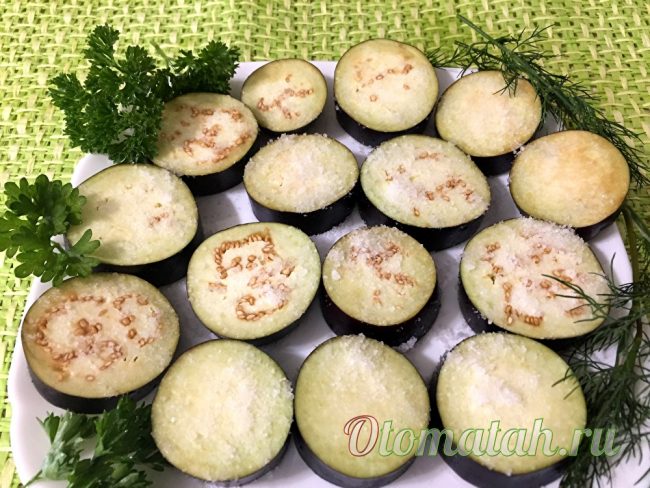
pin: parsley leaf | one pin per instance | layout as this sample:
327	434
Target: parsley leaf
123	448
118	109
36	213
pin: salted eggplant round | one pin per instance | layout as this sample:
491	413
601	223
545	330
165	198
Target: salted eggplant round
223	413
285	95
145	218
307	181
349	379
487	120
92	340
426	187
254	281
382	89
206	138
515	382
513	273
380	282
573	178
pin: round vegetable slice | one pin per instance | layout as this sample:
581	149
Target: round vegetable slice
515	381
253	281
573	178
342	379
285	95
307	181
223	412
91	340
380	282
513	272
145	218
487	120
426	187
206	138
383	89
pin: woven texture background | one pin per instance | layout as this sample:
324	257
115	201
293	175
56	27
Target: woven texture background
606	44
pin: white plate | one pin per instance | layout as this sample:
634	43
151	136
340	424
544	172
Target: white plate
30	444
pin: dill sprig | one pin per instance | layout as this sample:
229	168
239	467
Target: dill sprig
618	394
569	102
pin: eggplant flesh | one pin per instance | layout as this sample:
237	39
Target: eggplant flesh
371	137
432	239
310	223
392	335
337	478
162	272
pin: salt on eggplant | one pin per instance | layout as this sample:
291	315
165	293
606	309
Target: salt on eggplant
145	218
92	340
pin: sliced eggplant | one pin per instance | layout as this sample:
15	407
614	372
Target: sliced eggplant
515	381
426	187
380	282
145	218
92	340
285	95
206	138
343	379
254	281
510	275
487	120
573	178
383	89
223	413
307	181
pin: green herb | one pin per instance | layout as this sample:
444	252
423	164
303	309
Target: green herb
117	110
36	213
618	395
569	102
123	448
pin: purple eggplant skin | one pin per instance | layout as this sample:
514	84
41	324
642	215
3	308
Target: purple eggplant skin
391	335
88	405
311	223
202	185
337	478
479	475
480	324
590	231
432	239
275	336
371	137
162	272
494	165
274	463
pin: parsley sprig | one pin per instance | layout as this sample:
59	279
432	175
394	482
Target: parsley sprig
117	109
123	448
36	212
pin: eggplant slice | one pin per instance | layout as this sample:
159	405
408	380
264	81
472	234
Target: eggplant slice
254	281
383	89
223	413
206	138
380	282
145	218
307	181
94	339
509	273
342	379
285	95
426	187
487	120
515	381
572	178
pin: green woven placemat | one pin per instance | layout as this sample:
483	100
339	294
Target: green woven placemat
605	44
